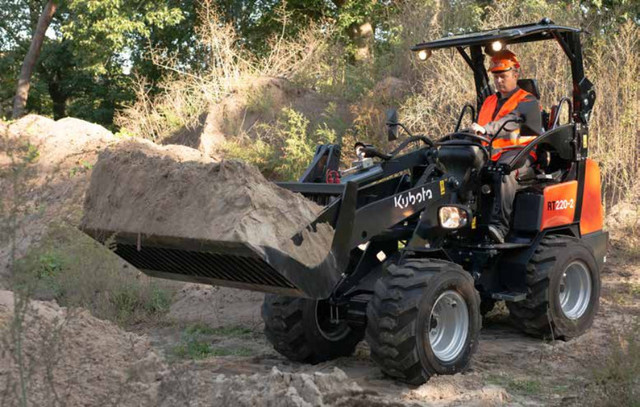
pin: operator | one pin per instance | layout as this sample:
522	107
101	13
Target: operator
509	103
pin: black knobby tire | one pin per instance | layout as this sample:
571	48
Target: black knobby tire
398	314
541	314
294	328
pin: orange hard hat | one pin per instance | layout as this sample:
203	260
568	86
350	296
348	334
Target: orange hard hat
504	60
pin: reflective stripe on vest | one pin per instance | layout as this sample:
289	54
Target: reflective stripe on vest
486	116
489	106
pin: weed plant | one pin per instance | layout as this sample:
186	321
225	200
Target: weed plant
616	376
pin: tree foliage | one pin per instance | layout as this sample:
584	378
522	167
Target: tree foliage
94	46
86	54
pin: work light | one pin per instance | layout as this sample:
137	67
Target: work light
496	46
423	54
452	217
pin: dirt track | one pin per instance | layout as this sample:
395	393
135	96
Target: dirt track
509	368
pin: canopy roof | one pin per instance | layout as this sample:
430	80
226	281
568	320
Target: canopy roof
543	30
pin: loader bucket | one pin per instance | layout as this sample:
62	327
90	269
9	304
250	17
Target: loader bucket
241	264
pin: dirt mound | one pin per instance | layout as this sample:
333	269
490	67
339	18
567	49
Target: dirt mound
75	359
274	389
391	90
256	102
176	191
31	126
459	389
55	185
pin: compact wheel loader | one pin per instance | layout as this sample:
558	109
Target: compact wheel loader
411	267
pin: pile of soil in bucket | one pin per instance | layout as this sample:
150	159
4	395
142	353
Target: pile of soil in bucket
175	191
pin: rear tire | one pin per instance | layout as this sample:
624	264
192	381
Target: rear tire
424	319
564	290
301	330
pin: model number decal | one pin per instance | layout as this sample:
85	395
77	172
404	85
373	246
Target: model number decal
560	204
410	198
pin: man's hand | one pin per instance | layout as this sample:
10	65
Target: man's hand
476	128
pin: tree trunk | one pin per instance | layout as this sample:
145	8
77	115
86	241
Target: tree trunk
361	35
59	99
24	81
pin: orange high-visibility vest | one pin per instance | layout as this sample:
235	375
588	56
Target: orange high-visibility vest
486	115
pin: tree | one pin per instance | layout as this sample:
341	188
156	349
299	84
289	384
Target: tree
24	80
90	46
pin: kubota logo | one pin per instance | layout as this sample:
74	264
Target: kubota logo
409	198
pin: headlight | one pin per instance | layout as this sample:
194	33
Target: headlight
453	217
424	54
496	46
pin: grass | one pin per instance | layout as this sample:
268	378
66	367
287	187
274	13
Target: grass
193	349
82	168
615	374
69	267
523	386
197	342
233	331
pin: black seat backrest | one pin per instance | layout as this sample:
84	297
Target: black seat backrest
530	85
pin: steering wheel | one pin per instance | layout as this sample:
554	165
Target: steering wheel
479	141
466	135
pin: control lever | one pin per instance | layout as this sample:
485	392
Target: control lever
369	151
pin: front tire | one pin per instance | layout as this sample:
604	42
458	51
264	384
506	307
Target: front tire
301	329
424	319
564	290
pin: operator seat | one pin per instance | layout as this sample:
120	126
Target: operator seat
530	85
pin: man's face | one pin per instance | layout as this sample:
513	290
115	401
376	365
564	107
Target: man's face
505	82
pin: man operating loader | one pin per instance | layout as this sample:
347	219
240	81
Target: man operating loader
509	103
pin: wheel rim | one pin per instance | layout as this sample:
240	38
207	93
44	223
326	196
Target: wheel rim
575	290
328	329
448	326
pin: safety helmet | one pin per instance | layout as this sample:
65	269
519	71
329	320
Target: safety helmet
502	61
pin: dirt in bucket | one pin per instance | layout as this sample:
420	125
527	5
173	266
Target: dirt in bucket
175	191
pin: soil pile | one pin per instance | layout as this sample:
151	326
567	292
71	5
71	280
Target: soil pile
459	389
139	187
53	186
274	389
252	104
75	359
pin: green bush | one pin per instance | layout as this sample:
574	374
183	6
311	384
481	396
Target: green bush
283	149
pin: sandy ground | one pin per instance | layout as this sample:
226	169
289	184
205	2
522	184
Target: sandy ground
509	368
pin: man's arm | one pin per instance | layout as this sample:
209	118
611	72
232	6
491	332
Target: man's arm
529	108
